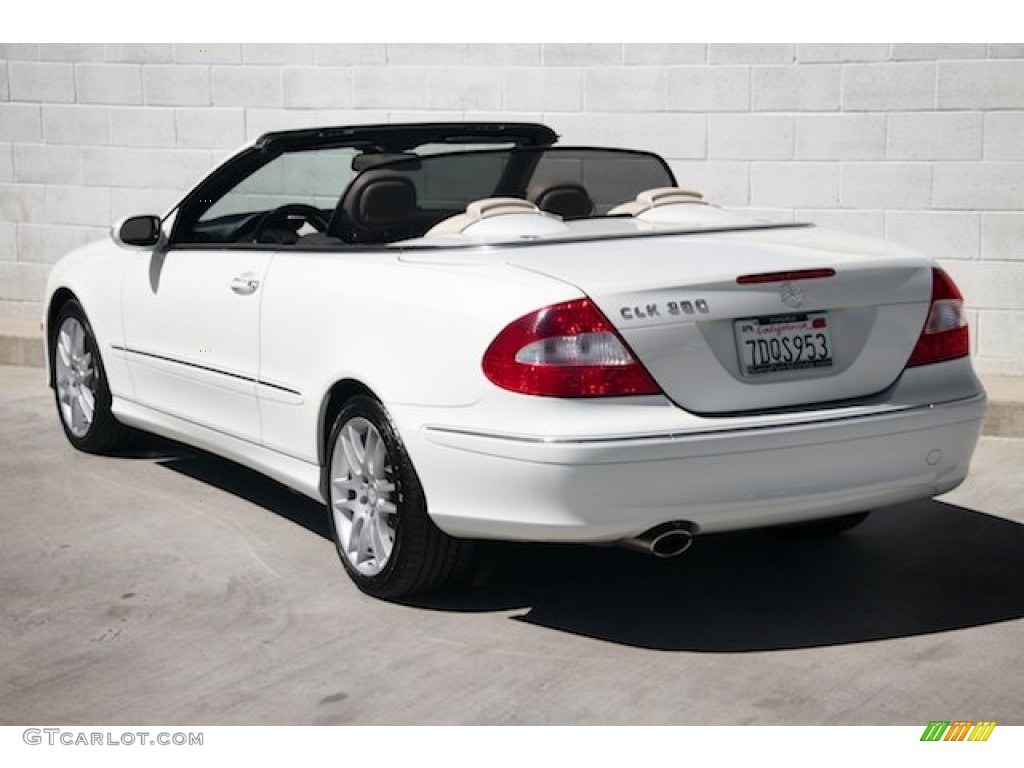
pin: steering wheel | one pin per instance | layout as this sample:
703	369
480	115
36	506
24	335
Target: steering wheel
309	213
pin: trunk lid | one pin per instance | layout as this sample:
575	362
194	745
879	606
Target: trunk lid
707	339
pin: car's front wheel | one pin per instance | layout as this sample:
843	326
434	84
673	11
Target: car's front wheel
80	383
378	515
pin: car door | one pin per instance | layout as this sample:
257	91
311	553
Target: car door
192	309
191	317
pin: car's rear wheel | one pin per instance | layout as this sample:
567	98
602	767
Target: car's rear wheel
80	387
830	525
377	511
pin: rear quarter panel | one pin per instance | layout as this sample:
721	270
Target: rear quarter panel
412	333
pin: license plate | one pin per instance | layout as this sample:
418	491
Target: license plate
794	342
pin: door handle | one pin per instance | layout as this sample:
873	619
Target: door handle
245	284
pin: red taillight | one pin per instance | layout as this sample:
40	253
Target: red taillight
945	335
781	277
565	350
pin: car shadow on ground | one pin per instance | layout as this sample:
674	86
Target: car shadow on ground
237	480
908	570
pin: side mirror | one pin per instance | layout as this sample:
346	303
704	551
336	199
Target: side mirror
136	231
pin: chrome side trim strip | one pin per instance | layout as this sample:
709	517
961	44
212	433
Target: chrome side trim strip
697	433
206	368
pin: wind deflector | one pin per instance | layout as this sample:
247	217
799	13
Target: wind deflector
448	182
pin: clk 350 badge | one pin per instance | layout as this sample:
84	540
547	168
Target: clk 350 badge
698	307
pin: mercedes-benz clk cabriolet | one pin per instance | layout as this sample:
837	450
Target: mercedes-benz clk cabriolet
464	331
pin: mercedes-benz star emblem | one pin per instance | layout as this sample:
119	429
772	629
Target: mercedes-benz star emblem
792	295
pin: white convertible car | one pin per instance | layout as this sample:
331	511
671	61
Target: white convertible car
449	332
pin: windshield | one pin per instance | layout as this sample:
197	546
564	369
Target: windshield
315	177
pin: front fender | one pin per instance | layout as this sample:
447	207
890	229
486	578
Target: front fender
94	275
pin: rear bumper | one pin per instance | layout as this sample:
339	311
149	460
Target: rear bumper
596	489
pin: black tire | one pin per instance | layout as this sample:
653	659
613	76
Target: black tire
422	558
828	526
101	433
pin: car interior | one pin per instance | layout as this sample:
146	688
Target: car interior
391	197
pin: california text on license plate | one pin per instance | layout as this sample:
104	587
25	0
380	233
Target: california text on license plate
793	342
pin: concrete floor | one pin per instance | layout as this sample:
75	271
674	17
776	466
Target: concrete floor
169	586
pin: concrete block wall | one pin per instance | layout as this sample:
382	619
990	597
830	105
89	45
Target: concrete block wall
919	143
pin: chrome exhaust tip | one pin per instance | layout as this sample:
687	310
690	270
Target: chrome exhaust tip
665	540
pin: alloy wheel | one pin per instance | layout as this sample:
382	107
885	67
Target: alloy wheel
76	378
364	497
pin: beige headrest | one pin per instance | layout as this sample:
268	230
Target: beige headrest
654	198
484	209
